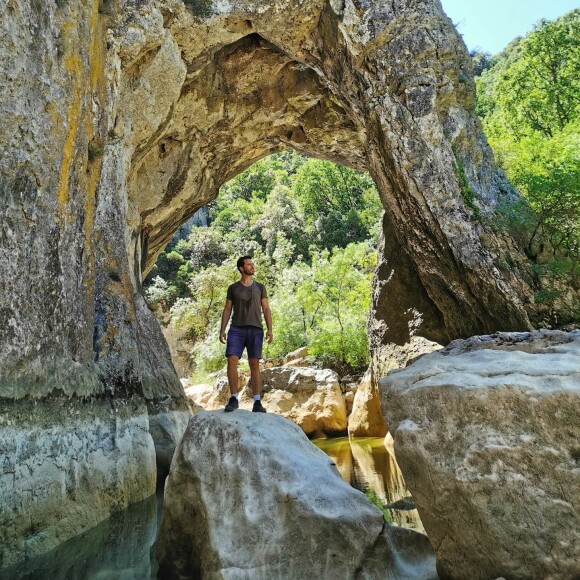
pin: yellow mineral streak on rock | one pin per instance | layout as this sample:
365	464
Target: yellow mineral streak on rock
74	67
98	91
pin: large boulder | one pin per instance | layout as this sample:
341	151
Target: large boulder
309	397
486	433
249	496
366	418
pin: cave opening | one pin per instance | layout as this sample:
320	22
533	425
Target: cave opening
312	228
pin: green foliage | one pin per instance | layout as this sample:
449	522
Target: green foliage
281	223
376	500
467	192
326	305
311	228
208	289
258	180
168	280
203	247
340	205
481	61
529	101
160	293
532	86
520	220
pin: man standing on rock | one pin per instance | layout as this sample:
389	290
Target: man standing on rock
248	299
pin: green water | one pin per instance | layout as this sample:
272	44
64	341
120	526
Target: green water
368	464
119	548
123	546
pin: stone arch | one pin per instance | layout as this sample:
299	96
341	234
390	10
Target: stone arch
385	89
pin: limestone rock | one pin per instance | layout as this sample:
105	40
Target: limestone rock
348	401
366	418
298	354
120	119
168	407
68	466
309	397
117	547
200	394
486	433
250	497
166	429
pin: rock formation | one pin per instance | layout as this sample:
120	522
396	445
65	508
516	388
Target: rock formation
486	433
309	397
366	418
238	505
121	118
118	547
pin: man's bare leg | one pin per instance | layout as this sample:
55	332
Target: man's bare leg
233	383
256	384
233	361
255	374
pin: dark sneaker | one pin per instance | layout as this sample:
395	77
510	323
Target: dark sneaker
257	408
232	405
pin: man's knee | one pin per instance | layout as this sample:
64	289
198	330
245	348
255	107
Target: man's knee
233	360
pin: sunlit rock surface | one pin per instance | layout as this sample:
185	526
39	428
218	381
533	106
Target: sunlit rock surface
366	418
249	496
368	464
309	397
486	432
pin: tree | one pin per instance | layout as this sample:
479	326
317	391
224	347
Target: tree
340	205
340	293
533	84
325	305
529	101
481	61
283	221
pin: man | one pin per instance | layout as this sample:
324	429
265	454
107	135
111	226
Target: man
248	299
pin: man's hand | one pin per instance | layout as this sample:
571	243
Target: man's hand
223	336
269	336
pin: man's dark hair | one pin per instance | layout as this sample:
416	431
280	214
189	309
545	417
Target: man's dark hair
241	261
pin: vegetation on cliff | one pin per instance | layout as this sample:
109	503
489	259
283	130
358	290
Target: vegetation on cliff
528	97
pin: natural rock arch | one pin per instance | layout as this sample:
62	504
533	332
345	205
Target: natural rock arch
120	119
384	89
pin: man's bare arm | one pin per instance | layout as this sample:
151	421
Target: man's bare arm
268	316
225	319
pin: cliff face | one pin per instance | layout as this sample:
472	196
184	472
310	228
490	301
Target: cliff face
119	118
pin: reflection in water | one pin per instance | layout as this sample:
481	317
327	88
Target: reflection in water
369	465
117	548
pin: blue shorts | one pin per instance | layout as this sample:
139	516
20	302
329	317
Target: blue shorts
240	337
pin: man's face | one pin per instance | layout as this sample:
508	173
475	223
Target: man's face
249	268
